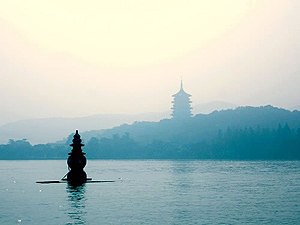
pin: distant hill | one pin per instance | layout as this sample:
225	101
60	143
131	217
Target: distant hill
208	107
46	130
204	126
297	107
244	133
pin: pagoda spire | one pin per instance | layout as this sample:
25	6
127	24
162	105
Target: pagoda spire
181	85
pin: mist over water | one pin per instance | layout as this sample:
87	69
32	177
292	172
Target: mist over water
153	192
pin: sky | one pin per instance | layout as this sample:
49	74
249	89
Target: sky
79	58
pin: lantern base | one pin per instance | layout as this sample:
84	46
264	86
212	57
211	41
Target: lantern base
76	177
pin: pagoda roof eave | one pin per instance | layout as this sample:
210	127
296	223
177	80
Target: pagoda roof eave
181	93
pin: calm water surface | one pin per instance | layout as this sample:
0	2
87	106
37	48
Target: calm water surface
153	192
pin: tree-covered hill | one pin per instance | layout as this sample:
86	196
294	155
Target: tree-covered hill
206	126
244	133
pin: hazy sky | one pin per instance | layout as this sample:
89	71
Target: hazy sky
75	58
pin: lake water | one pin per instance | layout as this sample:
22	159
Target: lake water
153	192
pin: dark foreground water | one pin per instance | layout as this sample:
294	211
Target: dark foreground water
153	192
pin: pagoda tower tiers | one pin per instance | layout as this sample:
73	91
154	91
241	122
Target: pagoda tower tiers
181	104
76	162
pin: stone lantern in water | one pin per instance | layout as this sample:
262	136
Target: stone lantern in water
76	162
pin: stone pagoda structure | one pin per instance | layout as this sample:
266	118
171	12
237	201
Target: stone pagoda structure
181	105
76	162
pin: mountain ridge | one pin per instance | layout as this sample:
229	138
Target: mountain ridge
204	125
244	133
45	130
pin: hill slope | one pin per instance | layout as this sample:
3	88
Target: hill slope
47	130
246	133
202	126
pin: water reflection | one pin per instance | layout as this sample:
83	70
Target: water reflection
76	200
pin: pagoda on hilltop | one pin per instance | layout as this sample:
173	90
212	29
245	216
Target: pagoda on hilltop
181	104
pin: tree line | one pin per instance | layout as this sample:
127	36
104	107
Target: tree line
248	143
